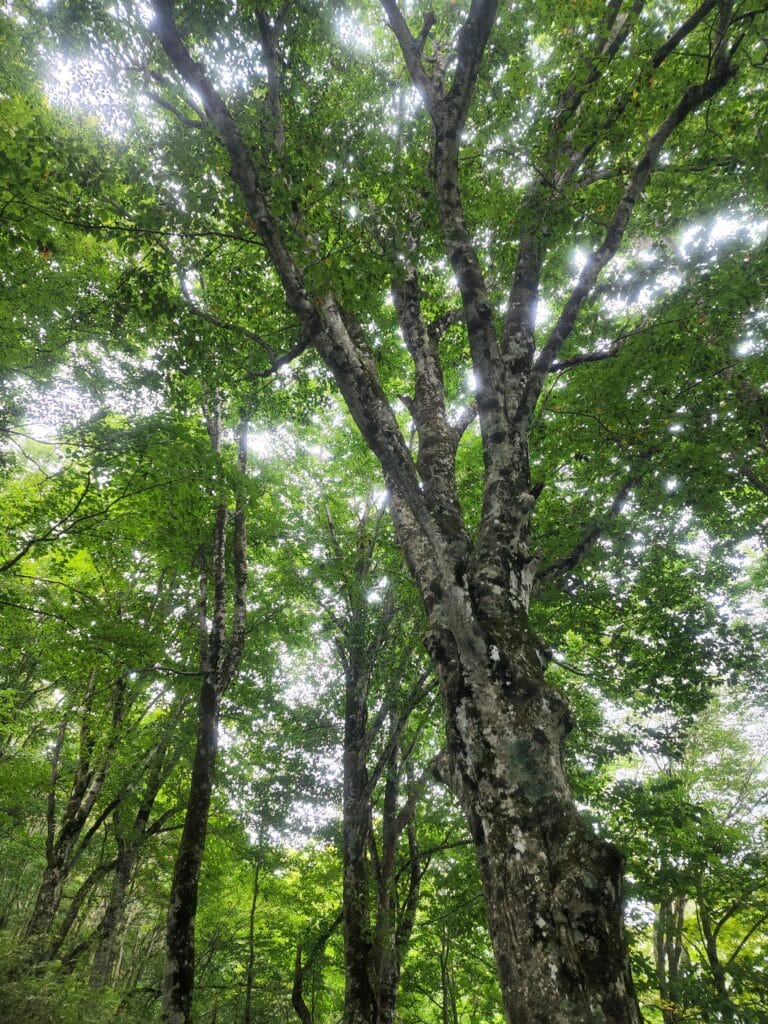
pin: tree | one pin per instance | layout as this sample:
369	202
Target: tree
221	652
372	629
564	957
702	864
342	214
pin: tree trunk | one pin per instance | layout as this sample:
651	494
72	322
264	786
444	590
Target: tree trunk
76	905
221	651
716	969
108	931
178	981
667	951
110	928
63	847
448	1006
359	990
552	888
250	972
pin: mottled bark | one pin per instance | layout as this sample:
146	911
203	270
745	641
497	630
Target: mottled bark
552	888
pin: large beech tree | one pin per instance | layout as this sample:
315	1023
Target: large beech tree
478	147
553	890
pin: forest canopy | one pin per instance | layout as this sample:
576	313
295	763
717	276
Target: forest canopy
383	481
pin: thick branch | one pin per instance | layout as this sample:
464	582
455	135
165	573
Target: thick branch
321	321
583	547
437	439
693	98
412	49
471	46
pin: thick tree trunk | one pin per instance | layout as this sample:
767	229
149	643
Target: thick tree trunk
552	888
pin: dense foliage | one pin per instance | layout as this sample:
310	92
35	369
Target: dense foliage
244	309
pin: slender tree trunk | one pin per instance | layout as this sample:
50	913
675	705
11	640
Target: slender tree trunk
385	952
250	973
449	1009
298	1002
109	928
359	987
65	845
76	905
667	951
178	982
716	969
302	965
221	652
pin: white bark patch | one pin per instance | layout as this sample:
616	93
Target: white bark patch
518	843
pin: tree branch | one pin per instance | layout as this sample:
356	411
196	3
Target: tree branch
583	547
693	98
